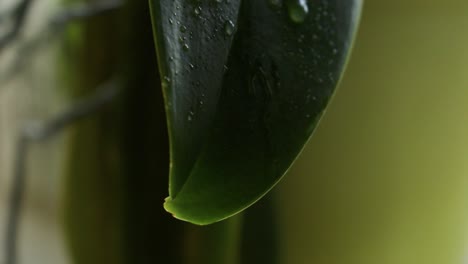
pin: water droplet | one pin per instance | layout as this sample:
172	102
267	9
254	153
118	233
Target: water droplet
183	28
165	81
186	47
190	116
229	28
197	10
301	38
298	10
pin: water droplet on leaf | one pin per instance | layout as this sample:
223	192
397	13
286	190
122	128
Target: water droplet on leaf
298	10
197	11
165	81
229	28
190	116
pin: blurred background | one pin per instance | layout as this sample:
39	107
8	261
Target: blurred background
28	91
383	180
385	177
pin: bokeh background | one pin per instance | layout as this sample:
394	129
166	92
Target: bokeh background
385	177
29	91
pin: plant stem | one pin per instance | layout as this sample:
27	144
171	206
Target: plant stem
218	243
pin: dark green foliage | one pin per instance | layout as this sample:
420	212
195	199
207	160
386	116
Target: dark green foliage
245	85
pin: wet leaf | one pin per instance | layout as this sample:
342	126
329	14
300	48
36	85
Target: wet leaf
192	53
245	86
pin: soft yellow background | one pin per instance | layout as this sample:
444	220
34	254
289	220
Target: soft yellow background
385	178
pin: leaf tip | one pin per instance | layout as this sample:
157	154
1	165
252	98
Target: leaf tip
178	213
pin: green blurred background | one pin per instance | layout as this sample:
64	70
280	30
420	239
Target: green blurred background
385	177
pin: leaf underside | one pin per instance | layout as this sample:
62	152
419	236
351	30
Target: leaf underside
244	84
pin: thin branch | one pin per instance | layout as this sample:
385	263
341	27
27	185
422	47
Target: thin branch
18	16
56	25
40	131
16	197
84	11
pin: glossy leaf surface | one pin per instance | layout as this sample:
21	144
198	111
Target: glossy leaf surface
244	91
192	53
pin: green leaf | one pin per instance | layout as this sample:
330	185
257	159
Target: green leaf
192	54
245	86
